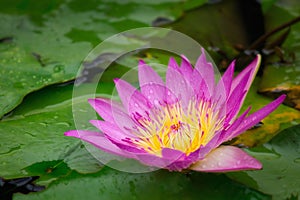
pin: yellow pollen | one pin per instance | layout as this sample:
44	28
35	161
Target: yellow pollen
174	127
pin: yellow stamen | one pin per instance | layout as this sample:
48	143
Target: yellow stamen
172	126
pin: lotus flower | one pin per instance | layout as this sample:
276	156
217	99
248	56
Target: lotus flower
180	124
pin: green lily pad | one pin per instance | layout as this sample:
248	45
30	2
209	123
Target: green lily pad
31	136
48	171
44	43
111	184
281	164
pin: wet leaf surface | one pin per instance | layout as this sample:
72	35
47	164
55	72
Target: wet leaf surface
111	184
281	163
32	136
44	43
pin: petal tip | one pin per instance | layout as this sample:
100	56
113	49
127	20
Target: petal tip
142	62
184	58
257	62
282	97
258	57
116	80
256	166
173	63
92	101
93	121
72	133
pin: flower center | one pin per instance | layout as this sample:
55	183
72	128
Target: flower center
175	127
172	126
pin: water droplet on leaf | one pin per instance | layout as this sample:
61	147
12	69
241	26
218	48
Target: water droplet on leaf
67	124
58	68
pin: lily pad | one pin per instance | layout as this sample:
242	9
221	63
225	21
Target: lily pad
44	43
281	164
33	136
111	184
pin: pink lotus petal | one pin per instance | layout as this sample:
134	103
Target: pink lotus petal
112	130
129	148
252	68
171	154
103	108
115	104
186	68
132	99
224	85
230	132
173	64
235	100
123	121
206	70
111	112
121	139
199	85
257	116
240	87
174	163
213	143
152	160
182	161
177	84
225	159
78	133
153	87
99	141
148	75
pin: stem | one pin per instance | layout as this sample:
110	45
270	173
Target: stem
265	36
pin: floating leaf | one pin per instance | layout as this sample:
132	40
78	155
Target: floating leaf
111	184
42	43
281	164
48	171
33	136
